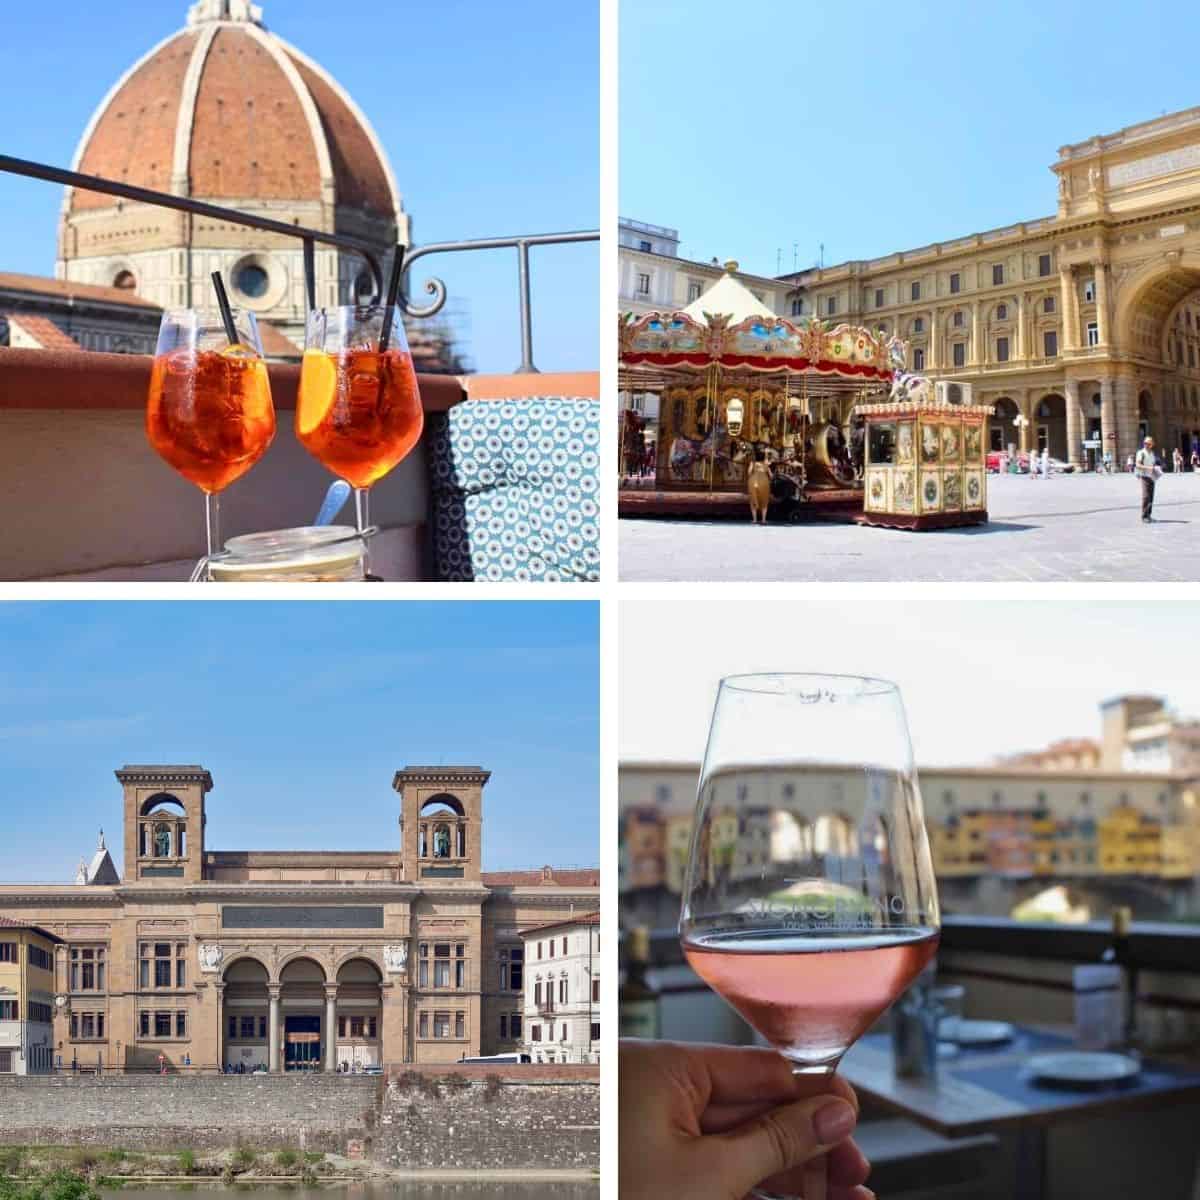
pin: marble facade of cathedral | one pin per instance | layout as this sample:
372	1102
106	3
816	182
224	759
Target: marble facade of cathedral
205	957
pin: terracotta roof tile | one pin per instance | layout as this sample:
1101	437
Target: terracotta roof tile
43	331
588	918
68	289
357	172
134	140
9	923
250	138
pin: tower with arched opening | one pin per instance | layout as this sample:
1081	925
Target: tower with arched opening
164	822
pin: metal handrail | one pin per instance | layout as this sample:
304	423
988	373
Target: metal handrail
436	288
368	250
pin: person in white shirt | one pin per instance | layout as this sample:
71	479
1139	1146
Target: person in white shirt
1046	463
1146	468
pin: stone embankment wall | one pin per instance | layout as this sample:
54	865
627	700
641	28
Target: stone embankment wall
434	1118
172	1112
510	1118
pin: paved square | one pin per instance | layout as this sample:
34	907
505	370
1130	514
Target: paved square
1069	527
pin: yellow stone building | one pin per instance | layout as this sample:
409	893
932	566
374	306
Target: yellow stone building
27	997
323	960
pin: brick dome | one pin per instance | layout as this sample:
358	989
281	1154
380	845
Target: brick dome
226	111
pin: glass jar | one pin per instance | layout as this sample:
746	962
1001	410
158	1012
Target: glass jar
309	554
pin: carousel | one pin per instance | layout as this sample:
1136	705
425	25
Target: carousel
745	395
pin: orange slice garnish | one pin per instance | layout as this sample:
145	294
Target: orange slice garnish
318	390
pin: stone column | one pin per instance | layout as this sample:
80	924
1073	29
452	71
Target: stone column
1108	424
331	1027
1066	278
273	990
976	357
1102	302
1126	415
1074	422
935	358
1022	328
219	994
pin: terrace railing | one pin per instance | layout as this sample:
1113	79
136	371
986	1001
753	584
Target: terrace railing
369	251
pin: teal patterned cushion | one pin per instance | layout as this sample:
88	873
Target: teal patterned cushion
516	490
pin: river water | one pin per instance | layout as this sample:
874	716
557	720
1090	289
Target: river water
415	1189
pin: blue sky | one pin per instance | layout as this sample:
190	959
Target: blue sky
302	711
488	112
877	127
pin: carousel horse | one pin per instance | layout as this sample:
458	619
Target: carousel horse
830	451
687	452
858	447
906	384
758	488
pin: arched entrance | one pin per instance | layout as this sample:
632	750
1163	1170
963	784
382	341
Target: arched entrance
1145	408
359	1015
1050	425
306	1021
1002	429
246	1012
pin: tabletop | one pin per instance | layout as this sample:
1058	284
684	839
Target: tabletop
983	1089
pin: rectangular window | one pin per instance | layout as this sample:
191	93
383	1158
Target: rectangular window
595	991
515	1025
1043	264
797	307
960	354
233	1028
247	1028
441	972
695	288
645	246
460	1025
423	1025
918	359
550	948
537	992
164	963
143	1024
1002	349
460	974
8	952
562	991
831	306
1001	312
535	1033
504	1027
341	1027
1050	343
6	1062
39	958
997	274
1089	291
86	969
10	1010
1048	304
539	949
915	291
356	1027
181	1024
1093	336
564	1032
879	297
643	285
564	949
919	325
958	319
955	282
595	1031
372	1028
516	958
441	1024
262	1029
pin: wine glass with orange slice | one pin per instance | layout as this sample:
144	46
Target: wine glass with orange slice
209	412
359	410
809	903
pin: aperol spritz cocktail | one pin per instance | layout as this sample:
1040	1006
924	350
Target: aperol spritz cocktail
359	410
209	412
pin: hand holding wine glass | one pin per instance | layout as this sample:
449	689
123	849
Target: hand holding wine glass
809	902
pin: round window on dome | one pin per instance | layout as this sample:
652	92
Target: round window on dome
251	280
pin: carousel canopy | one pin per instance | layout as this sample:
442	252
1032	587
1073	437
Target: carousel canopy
730	298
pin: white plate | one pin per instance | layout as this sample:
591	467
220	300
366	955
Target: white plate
974	1033
1084	1066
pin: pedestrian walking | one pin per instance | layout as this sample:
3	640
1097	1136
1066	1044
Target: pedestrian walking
1177	460
1046	462
1147	470
1196	460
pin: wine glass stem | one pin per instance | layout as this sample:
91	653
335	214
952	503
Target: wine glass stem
362	517
212	522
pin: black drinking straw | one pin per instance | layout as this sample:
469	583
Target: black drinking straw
223	305
385	334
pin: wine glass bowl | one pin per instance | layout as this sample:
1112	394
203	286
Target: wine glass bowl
359	410
809	899
209	413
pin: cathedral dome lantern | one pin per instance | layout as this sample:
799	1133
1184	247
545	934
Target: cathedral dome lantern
226	112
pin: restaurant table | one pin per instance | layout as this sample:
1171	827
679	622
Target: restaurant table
990	1090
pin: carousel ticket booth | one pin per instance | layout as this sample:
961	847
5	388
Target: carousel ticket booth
925	464
737	384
